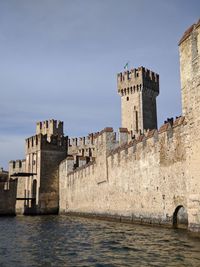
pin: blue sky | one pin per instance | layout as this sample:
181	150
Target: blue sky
59	59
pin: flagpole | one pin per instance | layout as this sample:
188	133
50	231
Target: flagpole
126	65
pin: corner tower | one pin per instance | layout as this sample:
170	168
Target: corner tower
138	89
189	49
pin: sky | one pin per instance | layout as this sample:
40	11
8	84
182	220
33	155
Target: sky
59	60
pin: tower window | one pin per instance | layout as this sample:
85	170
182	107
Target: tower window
127	98
136	121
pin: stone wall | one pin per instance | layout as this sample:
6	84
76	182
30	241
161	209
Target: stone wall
3	175
143	180
49	181
19	166
8	191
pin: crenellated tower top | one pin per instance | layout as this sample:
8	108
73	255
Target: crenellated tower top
138	89
135	80
50	127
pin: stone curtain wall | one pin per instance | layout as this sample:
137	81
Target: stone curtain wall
144	180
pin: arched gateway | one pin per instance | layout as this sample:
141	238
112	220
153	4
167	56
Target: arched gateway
180	218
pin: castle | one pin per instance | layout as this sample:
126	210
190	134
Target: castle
140	174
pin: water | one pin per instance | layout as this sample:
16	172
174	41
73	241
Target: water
67	241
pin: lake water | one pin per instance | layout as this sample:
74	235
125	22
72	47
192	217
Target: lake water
72	241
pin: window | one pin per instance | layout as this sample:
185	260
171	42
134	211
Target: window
136	121
127	98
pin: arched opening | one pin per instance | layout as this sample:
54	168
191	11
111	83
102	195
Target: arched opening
34	192
180	218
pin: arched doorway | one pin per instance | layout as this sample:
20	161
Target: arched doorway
180	218
34	192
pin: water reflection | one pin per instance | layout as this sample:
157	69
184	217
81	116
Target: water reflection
67	241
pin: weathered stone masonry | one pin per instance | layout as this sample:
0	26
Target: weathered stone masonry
39	193
153	177
141	174
143	180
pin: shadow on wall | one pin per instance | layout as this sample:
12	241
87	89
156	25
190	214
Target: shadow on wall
180	218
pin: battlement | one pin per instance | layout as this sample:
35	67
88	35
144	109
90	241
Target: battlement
17	166
135	80
33	142
40	141
164	142
55	143
150	134
105	138
82	141
86	146
17	163
50	127
82	146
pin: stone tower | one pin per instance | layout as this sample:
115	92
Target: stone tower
138	89
44	152
189	48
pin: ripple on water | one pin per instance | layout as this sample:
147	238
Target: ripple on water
67	241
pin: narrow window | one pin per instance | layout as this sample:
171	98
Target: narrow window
136	121
127	98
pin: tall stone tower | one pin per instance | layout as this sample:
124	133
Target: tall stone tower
138	89
189	48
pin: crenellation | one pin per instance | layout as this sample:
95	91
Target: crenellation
16	166
152	137
54	142
133	80
123	136
138	89
49	127
33	143
82	146
141	173
120	160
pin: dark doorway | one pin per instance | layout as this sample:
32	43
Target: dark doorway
34	192
180	218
